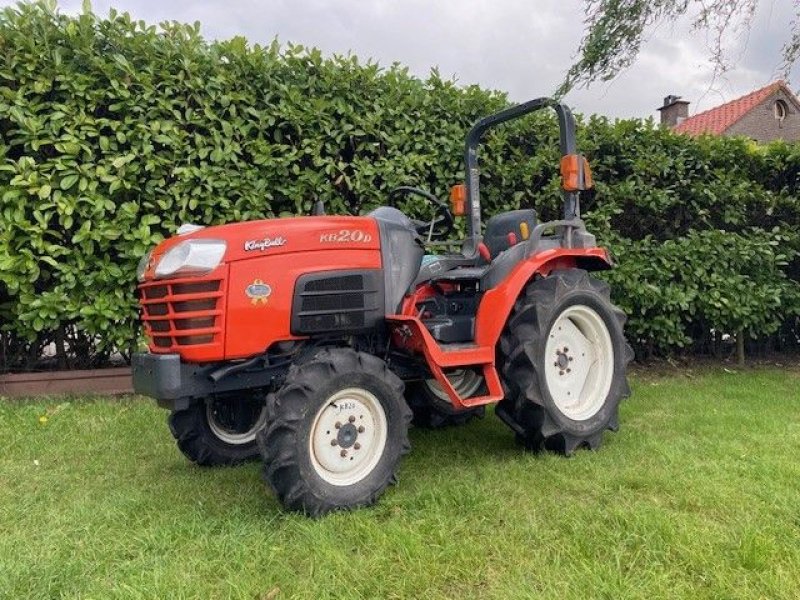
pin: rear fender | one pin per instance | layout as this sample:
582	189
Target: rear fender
498	302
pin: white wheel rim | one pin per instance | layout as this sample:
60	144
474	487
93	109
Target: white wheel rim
348	436
465	381
228	436
579	362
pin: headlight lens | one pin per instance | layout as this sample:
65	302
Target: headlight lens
140	270
192	257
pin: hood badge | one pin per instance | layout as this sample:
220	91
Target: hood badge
258	292
263	244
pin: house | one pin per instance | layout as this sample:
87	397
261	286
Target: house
769	113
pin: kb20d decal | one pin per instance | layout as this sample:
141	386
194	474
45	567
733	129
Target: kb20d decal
346	235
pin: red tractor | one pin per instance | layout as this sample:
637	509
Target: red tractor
312	341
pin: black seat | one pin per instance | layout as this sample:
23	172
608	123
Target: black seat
500	225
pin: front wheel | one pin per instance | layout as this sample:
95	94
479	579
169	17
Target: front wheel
219	430
563	358
336	431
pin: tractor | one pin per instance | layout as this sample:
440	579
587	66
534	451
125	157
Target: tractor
313	341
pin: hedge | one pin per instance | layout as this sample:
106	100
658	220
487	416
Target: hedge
113	132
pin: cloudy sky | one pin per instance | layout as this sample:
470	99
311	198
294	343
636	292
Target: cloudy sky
522	47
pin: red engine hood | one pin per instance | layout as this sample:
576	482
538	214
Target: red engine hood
284	236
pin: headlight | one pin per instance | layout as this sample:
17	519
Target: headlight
140	270
193	257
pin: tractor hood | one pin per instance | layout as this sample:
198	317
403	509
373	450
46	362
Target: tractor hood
271	237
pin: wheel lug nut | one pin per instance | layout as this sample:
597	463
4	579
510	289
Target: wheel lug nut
360	429
570	359
357	446
569	370
555	364
334	442
338	425
566	349
352	419
343	453
561	372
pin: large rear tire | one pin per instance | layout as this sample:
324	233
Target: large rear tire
336	432
563	359
219	431
431	406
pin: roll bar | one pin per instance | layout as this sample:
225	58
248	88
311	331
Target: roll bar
566	126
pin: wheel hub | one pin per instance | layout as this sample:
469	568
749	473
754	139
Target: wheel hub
562	361
347	436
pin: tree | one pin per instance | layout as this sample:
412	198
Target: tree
615	29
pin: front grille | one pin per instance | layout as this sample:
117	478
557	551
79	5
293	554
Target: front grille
334	301
180	312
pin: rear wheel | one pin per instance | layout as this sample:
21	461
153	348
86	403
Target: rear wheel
563	357
336	431
219	430
431	406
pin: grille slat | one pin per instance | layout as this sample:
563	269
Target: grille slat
183	297
180	313
349	301
334	284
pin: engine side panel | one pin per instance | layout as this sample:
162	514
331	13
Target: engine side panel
261	293
338	301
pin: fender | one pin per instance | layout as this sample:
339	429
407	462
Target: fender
497	303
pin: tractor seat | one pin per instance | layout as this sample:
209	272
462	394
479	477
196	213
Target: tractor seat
503	228
503	231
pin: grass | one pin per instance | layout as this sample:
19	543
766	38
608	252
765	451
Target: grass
697	496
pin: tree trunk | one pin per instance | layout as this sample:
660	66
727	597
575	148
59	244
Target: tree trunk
740	348
61	348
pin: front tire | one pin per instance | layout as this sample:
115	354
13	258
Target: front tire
219	431
336	432
563	357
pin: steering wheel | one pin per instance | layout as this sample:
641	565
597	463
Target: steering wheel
441	216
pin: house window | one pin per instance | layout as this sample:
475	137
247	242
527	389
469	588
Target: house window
780	110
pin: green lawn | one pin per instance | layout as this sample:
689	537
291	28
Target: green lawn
697	496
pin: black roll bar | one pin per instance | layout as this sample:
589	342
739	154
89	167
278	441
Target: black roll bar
566	126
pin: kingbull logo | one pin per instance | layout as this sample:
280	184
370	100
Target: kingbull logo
262	245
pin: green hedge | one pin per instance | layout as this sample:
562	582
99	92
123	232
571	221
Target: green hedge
114	132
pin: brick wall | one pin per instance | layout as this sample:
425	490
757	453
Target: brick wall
761	125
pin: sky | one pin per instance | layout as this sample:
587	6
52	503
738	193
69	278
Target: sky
522	47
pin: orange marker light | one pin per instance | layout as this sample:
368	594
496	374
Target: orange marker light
576	175
523	229
458	199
